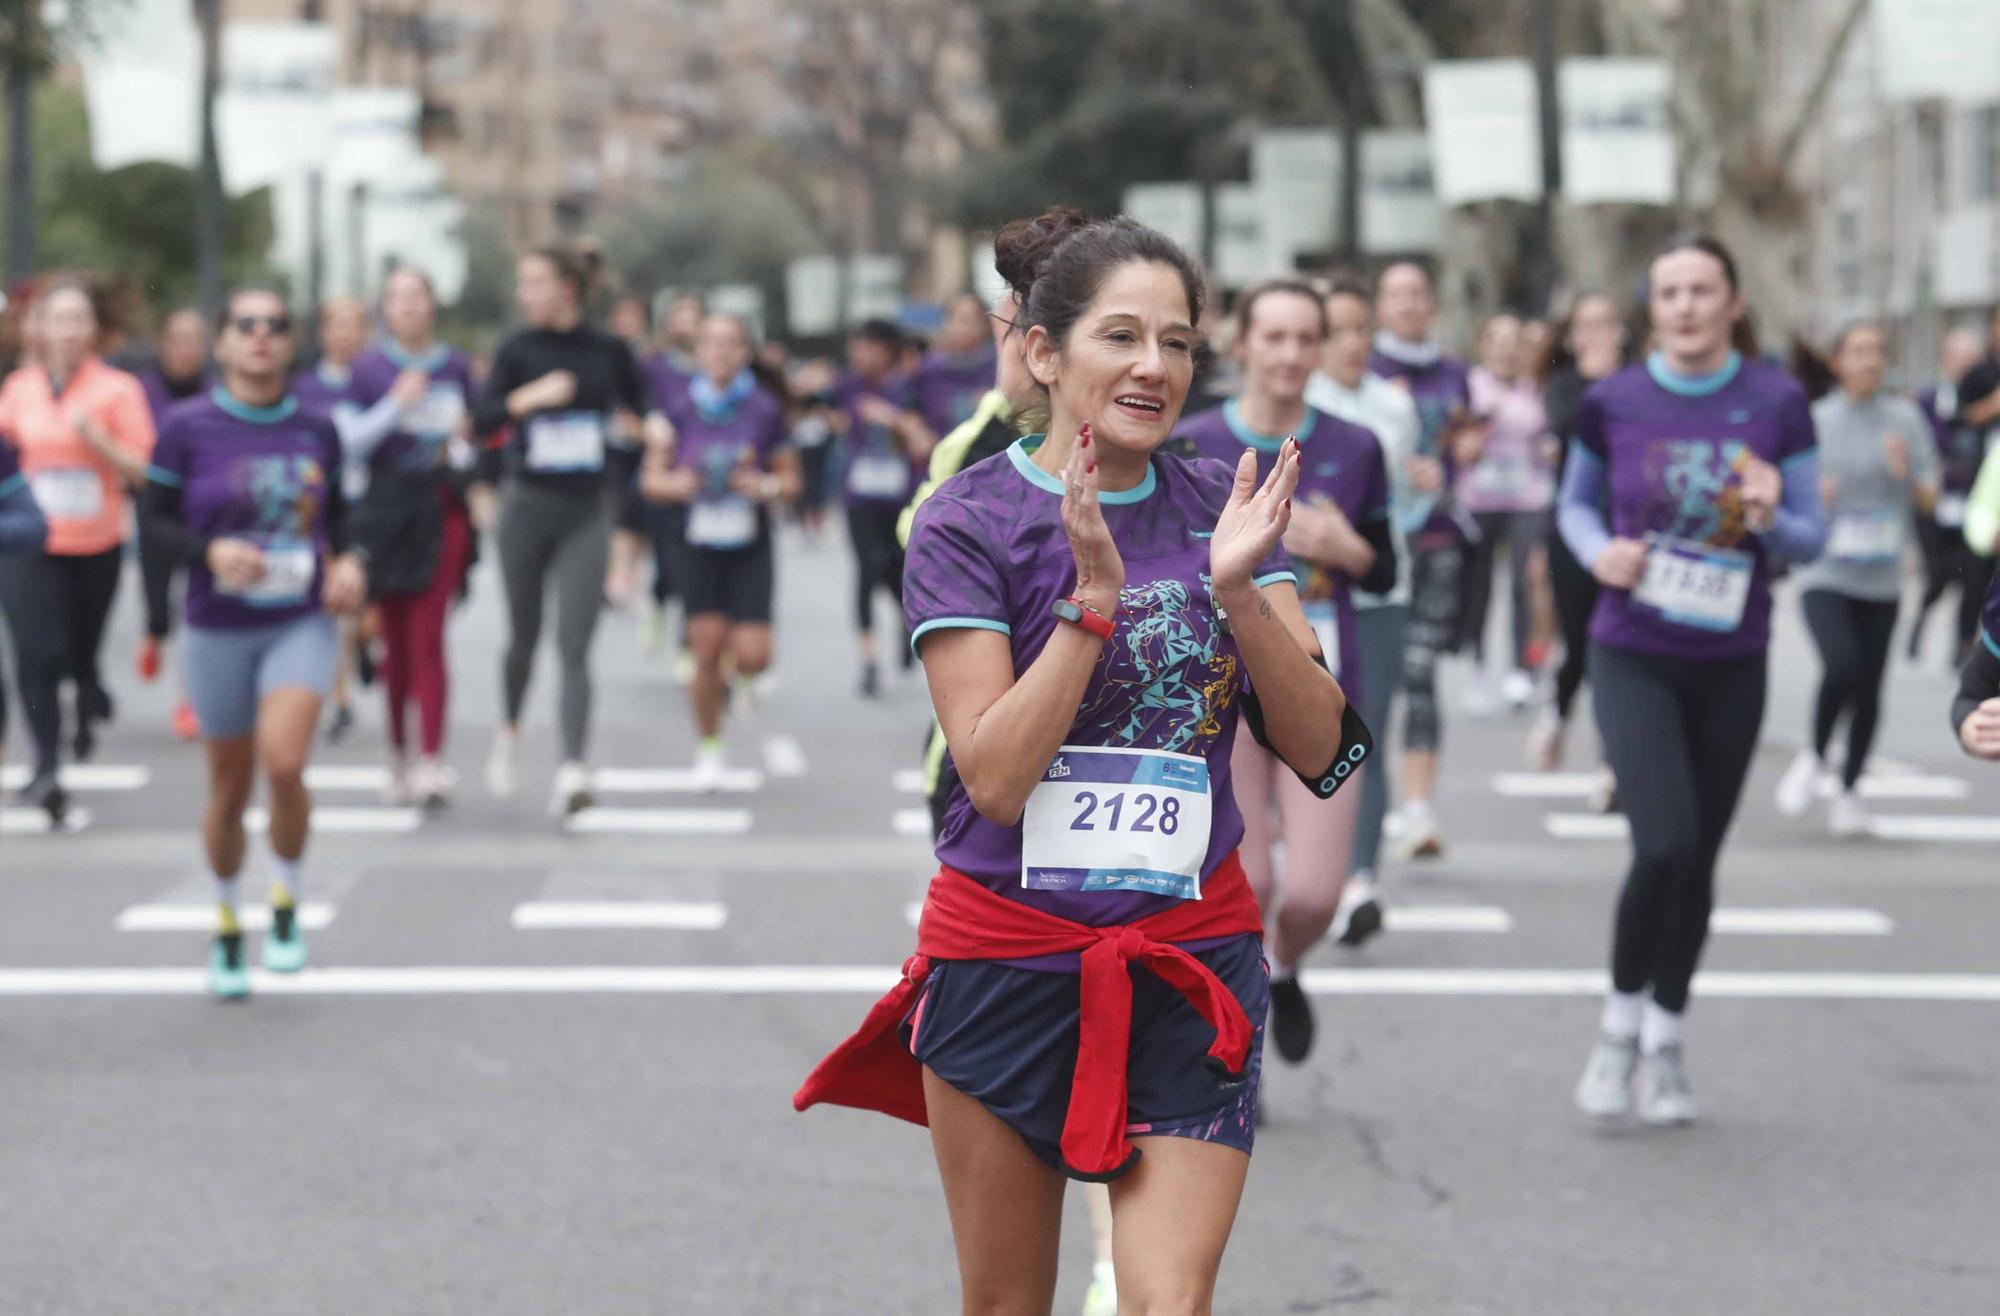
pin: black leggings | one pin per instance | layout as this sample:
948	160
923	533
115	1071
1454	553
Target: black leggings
1512	537
1679	733
158	565
1853	637
1576	598
57	606
1431	633
878	558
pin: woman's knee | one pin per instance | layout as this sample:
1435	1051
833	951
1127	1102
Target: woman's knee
1166	1295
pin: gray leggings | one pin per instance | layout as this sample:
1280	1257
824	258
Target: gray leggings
562	535
1381	632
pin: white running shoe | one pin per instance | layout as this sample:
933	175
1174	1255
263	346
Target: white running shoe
1546	741
500	766
430	783
1795	788
711	761
396	792
1419	837
571	794
684	667
1604	790
1846	817
1478	698
1605	1090
1359	916
1102	1299
1517	689
1665	1095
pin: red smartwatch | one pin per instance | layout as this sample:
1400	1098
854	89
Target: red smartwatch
1078	613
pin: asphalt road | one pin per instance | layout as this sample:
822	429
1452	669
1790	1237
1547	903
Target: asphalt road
472	1105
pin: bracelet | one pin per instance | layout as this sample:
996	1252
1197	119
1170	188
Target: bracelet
1078	613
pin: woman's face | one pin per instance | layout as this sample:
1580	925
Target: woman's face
1125	368
408	308
1350	337
1403	303
870	358
1596	333
720	349
964	326
343	331
68	327
1500	347
256	343
540	292
183	345
1862	361
1693	307
1280	345
684	320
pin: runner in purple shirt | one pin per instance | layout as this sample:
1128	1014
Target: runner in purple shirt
959	369
1706	458
887	445
1339	539
245	485
1406	355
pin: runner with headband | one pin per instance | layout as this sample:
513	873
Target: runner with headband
728	467
245	484
1877	467
1705	457
1339	537
1089	613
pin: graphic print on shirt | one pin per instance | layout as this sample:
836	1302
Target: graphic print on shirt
1695	490
1170	679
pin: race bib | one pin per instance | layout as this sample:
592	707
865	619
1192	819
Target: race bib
566	442
728	522
1691	584
1325	619
289	565
1951	510
69	493
879	475
439	414
1866	537
1118	820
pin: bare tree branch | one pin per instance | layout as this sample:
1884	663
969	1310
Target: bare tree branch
1822	84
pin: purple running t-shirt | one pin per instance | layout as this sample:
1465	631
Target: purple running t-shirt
948	388
668	376
421	436
256	473
879	472
988	551
1673	450
715	444
1441	390
1340	464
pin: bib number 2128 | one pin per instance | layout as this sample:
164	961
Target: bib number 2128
1149	813
1115	819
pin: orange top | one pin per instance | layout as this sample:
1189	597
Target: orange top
81	496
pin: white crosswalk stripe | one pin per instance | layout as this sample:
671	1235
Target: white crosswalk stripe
908	781
83	776
646	781
23	821
1446	918
911	822
687	916
659	822
312	916
1801	922
387	820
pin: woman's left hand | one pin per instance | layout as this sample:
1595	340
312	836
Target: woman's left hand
346	586
1254	520
1763	486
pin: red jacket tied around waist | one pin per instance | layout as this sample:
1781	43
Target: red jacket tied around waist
964	921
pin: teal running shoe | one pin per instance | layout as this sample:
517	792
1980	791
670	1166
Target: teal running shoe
227	977
285	943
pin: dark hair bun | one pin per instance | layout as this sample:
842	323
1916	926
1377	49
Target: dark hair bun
1024	246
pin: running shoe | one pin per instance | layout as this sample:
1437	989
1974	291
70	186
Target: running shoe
1478	698
684	667
871	681
1795	788
1546	741
185	724
711	761
149	659
45	791
1665	1095
364	664
1419	837
93	704
227	978
1360	914
285	943
500	766
1605	1091
1517	689
396	791
571	794
84	744
1291	1019
342	723
1102	1298
430	783
1846	817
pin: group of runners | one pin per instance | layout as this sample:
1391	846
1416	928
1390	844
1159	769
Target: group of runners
1160	644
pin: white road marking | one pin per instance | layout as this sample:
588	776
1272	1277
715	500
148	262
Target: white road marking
784	757
83	776
346	777
842	979
1887	786
1587	826
1544	785
700	916
1939	827
1899	787
381	821
642	781
911	822
1800	922
659	822
313	916
913	913
1446	918
908	781
24	821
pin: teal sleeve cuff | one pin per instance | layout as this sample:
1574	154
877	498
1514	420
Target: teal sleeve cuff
957	624
160	475
1274	577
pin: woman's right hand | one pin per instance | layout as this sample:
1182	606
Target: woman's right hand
236	564
1622	564
555	389
1100	571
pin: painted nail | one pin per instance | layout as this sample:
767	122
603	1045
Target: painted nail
1090	469
1288	504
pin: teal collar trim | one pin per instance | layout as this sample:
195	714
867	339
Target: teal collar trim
1041	479
404	359
1250	438
1693	386
270	415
